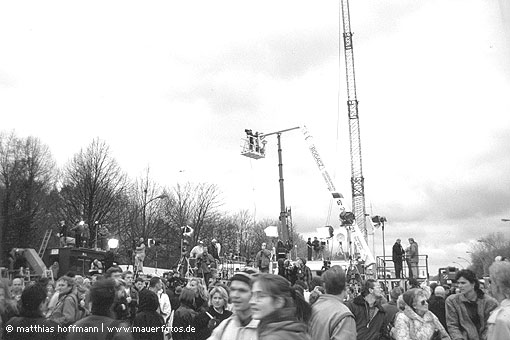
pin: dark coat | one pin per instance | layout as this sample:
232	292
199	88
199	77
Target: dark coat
368	329
437	306
148	316
184	318
398	253
204	324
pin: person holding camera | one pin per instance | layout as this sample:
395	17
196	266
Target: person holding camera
205	262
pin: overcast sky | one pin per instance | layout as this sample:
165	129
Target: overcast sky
172	85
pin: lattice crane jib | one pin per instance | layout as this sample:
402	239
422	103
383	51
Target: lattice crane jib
357	180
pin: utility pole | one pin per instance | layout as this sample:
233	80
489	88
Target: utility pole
254	147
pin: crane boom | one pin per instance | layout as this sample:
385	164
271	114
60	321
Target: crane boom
354	231
357	180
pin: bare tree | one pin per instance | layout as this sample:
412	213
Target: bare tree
193	205
485	251
93	183
27	175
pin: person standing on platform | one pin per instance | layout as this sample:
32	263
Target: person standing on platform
139	256
309	248
397	257
413	257
316	249
63	234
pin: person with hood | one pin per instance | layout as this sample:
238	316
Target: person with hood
468	311
331	319
148	317
368	312
416	322
282	311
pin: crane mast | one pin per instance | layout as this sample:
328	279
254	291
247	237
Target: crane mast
357	180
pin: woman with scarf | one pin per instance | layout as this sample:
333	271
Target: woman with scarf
282	311
416	322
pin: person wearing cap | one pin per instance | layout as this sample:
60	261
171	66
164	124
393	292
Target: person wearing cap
397	257
416	321
413	257
241	325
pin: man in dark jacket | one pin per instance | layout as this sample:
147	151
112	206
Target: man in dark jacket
398	256
368	312
32	318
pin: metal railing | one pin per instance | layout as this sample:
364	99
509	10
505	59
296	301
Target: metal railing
385	268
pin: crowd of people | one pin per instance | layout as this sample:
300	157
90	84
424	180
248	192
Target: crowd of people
254	305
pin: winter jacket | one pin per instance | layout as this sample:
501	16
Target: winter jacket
263	258
184	318
460	325
437	306
368	329
282	325
391	309
499	322
206	321
148	317
397	253
413	253
331	319
411	326
66	311
232	328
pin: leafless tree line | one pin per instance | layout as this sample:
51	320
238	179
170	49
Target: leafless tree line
35	195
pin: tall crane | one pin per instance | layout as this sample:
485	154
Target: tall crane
357	180
355	237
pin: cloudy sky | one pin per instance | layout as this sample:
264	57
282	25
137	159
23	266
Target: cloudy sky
172	85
